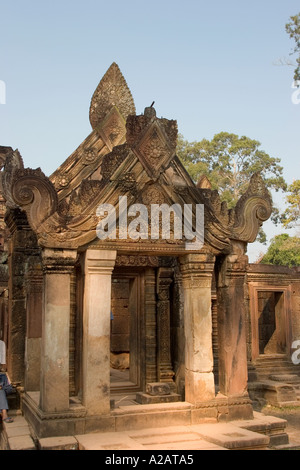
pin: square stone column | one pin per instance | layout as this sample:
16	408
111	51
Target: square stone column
57	266
34	309
98	267
231	278
197	272
22	244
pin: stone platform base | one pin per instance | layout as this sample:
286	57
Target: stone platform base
76	421
274	392
260	433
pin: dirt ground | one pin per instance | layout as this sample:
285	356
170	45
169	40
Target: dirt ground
292	415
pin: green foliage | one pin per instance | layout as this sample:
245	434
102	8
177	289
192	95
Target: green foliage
229	161
293	29
291	215
284	251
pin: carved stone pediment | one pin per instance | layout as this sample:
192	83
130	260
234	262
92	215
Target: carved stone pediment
111	104
132	156
153	140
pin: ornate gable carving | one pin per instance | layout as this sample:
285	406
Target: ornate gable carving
153	140
62	209
111	103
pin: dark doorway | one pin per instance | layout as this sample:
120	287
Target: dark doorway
125	351
271	323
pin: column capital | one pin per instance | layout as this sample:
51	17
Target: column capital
232	267
58	261
197	270
99	261
200	262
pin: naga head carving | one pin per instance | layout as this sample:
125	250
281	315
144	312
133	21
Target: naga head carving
252	209
27	189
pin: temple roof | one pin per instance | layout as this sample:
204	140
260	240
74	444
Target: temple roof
132	156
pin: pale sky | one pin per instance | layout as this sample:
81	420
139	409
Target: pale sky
212	66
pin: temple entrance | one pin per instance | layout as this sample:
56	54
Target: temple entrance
126	359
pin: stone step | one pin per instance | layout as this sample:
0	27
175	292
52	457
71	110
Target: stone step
270	426
218	436
286	378
274	393
260	433
283	367
267	368
17	435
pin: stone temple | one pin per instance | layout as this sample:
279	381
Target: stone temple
89	321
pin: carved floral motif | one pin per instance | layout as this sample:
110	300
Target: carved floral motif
89	156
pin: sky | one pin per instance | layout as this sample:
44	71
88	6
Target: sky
213	66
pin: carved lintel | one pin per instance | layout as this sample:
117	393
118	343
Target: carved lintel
137	260
58	261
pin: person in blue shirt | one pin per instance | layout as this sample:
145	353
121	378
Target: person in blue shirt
5	389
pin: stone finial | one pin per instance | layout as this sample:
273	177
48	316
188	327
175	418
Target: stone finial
4	152
111	91
11	161
150	112
204	183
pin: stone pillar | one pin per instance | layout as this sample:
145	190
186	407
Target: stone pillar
231	280
58	266
150	322
34	309
165	372
22	244
98	267
197	272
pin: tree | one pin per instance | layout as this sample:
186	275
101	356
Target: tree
291	215
284	251
229	161
293	29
